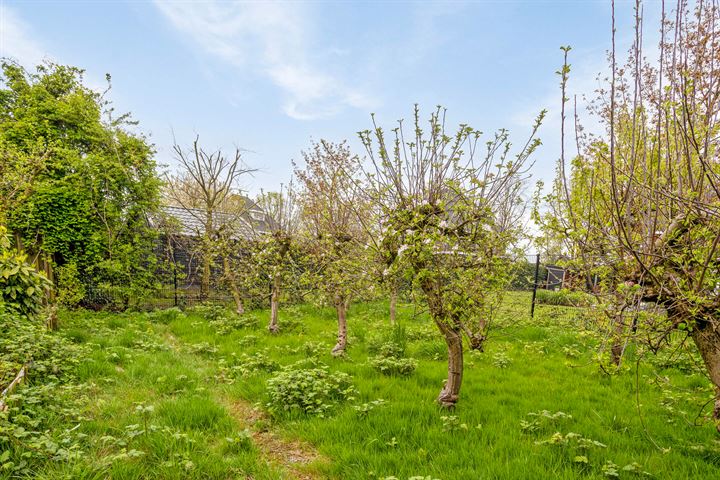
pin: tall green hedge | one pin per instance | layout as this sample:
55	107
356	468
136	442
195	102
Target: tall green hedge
91	188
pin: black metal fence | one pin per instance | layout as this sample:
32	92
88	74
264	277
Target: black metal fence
180	271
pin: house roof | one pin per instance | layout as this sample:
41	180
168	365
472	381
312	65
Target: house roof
191	221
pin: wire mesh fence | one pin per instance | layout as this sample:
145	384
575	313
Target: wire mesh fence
182	284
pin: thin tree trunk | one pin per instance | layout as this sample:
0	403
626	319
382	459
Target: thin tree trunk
274	326
205	286
339	348
617	349
707	339
232	286
239	305
393	304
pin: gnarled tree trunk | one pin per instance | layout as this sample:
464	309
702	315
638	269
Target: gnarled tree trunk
452	332
707	338
450	392
274	326
341	306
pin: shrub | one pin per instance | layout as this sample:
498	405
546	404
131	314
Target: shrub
390	354
209	311
421	333
53	357
313	391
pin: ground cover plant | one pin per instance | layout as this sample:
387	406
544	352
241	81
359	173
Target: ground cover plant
167	395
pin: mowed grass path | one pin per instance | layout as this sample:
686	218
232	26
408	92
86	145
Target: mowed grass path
167	377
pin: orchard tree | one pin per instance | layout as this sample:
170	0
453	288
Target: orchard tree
276	242
641	208
454	210
335	239
207	187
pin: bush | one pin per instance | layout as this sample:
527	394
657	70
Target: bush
53	357
313	391
247	365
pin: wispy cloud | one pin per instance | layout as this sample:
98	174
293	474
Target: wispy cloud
17	40
273	39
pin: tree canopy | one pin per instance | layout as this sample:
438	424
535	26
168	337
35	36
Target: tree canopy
79	182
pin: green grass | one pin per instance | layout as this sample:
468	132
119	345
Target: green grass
563	297
168	378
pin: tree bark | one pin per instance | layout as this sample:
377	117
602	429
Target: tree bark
477	341
274	326
230	281
707	338
450	392
239	305
452	332
339	348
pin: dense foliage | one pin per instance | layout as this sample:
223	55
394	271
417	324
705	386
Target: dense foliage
37	375
75	157
22	288
640	206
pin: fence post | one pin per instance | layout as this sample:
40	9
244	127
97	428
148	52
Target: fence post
535	285
175	293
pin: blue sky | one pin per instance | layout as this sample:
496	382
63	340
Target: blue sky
271	76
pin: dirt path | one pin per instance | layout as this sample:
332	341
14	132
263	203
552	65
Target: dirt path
293	457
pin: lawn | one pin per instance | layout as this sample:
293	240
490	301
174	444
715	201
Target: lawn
184	395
